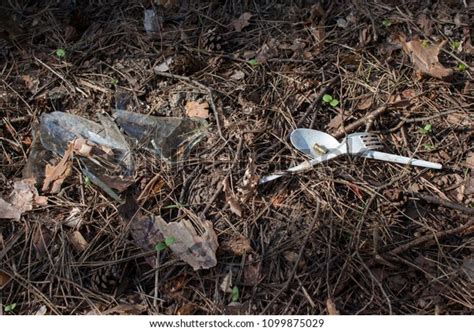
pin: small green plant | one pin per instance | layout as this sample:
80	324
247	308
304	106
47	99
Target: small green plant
425	43
114	81
462	67
428	147
87	181
9	308
61	53
327	98
253	62
386	22
165	244
455	44
428	128
235	294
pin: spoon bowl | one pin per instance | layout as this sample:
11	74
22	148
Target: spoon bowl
304	140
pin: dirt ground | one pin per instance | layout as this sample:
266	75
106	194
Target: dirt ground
351	236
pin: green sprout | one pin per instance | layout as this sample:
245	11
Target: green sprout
235	294
61	53
425	43
327	98
253	62
455	44
165	244
428	147
114	81
428	128
462	67
386	22
87	181
9	308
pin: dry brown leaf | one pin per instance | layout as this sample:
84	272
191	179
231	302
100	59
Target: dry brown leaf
425	23
146	233
231	199
197	251
335	123
187	309
425	58
366	103
126	309
240	23
197	109
55	175
238	75
239	245
331	307
79	243
9	211
4	279
21	199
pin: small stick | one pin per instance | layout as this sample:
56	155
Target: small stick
202	86
360	122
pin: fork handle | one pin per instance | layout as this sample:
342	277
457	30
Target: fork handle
400	159
306	165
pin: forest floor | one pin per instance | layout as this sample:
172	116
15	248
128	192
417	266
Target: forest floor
351	236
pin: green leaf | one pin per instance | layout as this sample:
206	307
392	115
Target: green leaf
235	294
161	246
253	62
462	67
428	147
327	98
425	43
114	81
170	240
10	307
455	44
386	22
87	181
334	102
428	127
60	52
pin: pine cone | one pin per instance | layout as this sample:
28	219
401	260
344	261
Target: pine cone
211	40
106	279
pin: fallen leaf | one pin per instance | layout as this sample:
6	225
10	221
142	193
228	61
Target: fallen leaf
55	175
226	284
31	83
145	232
365	104
231	199
238	245
165	66
240	23
79	243
425	58
21	199
74	219
41	310
331	307
237	75
126	309
425	23
187	309
335	123
199	251
197	109
8	211
4	279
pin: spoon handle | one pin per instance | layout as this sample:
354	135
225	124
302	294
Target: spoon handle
306	165
400	159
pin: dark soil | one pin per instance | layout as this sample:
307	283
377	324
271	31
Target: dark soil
353	235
